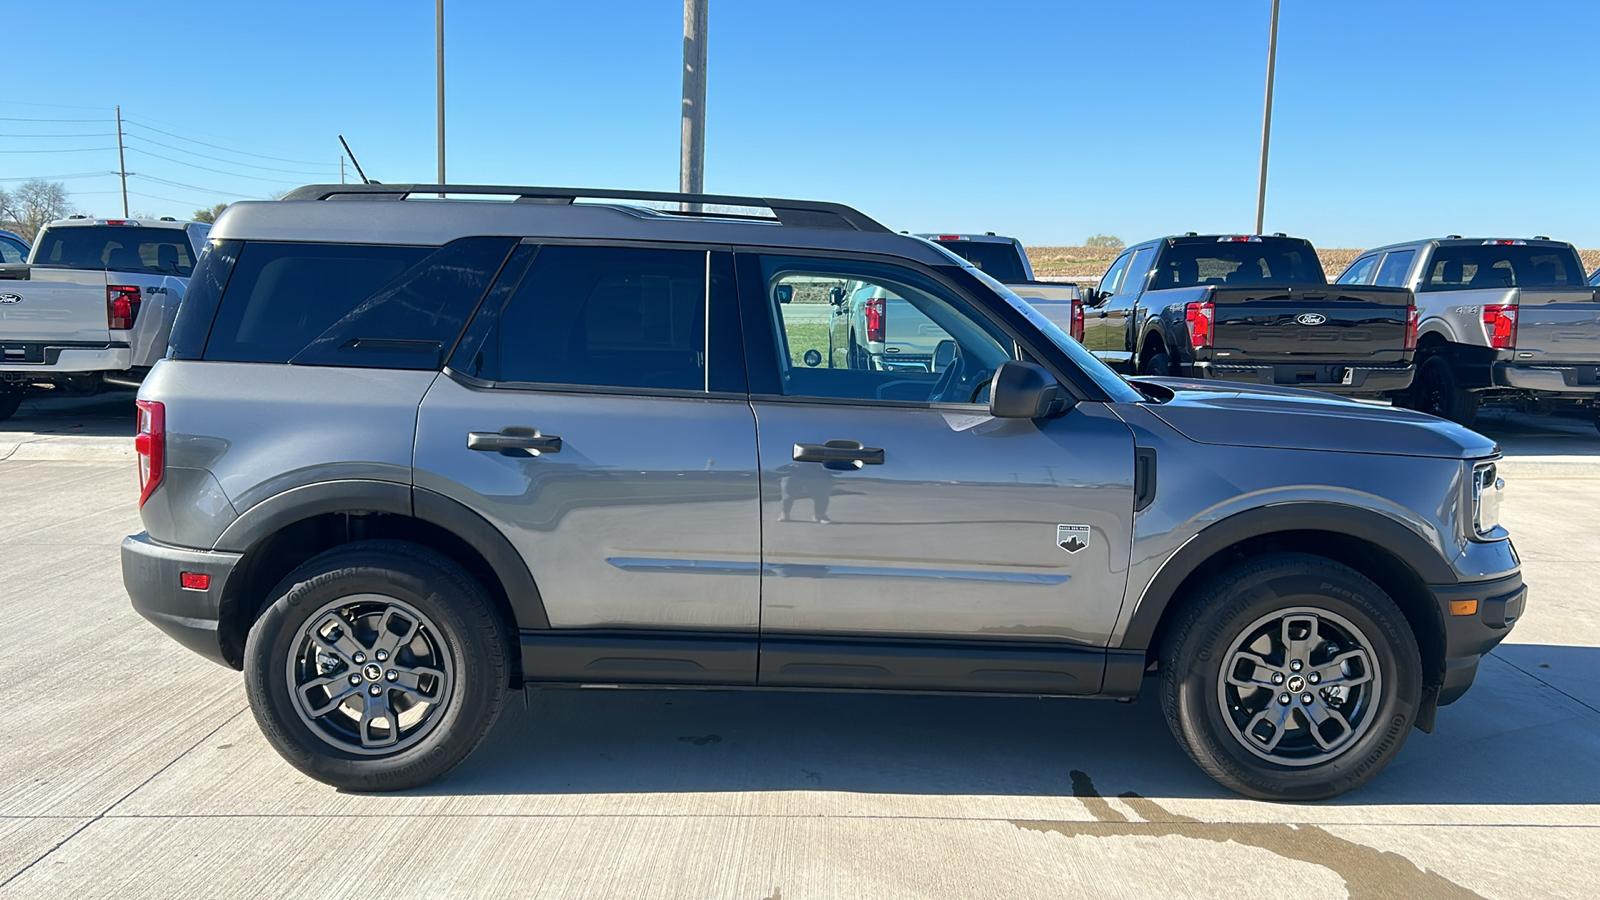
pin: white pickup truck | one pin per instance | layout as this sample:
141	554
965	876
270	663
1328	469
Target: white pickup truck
93	304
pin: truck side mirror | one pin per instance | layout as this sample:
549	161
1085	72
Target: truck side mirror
1024	390
836	296
1093	297
944	353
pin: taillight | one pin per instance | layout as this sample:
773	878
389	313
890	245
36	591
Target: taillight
1201	318
1412	318
122	306
1077	321
150	443
876	314
1500	325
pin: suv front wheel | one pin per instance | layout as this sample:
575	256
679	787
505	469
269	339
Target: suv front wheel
1291	677
379	666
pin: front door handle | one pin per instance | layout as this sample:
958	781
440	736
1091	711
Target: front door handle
514	441
839	455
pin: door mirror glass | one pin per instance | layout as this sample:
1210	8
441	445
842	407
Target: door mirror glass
943	355
813	358
1024	390
784	292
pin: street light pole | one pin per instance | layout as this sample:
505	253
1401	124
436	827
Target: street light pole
692	157
439	47
1266	122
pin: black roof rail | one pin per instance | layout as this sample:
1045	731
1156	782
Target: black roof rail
793	213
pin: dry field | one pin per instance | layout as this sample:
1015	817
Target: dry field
1087	264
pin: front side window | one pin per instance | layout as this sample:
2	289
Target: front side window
1360	271
1395	266
1139	265
867	331
616	317
1110	281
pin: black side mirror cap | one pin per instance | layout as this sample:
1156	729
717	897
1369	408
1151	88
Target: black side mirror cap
1025	390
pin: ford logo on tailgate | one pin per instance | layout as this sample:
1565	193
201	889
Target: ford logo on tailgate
1311	318
10	298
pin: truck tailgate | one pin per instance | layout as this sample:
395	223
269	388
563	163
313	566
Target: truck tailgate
1314	324
54	305
1557	325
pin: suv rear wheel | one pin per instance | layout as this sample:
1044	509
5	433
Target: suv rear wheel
1291	677
379	666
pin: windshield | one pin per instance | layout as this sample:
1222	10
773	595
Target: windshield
1102	375
120	248
1258	261
994	258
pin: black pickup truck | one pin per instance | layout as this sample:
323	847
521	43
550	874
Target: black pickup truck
1253	308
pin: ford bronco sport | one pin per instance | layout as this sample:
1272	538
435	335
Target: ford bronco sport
408	454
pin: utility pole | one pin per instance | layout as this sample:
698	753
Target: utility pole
341	170
122	167
439	32
1266	122
692	159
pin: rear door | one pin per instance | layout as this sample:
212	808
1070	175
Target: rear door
909	539
596	414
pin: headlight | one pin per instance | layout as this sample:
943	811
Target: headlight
1487	489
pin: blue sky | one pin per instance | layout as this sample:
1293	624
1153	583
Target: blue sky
1047	120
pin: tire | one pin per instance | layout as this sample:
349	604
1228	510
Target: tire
9	402
1159	363
354	606
1252	608
1436	392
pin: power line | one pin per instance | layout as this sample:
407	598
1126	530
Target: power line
154	197
74	150
50	105
90	134
192	187
9	119
137	124
220	159
56	177
209	169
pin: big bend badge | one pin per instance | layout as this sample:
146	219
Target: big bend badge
1072	538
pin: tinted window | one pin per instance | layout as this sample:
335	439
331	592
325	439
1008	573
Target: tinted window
1262	261
1595	278
1481	267
1000	261
1138	267
1113	277
1395	266
1360	271
349	305
608	317
121	248
12	251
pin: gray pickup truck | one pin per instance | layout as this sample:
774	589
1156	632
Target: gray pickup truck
94	303
1501	320
1251	308
1004	259
406	455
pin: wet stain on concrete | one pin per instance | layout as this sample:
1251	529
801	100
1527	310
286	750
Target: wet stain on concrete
1368	873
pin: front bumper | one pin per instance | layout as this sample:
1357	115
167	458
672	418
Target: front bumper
150	572
1577	380
1329	377
1500	603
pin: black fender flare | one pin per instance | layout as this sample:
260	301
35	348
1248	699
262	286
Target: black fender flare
1374	528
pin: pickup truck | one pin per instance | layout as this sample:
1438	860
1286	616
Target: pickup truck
1251	308
1501	320
93	304
1003	259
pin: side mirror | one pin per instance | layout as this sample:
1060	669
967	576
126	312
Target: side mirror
1024	390
784	292
944	353
836	296
1093	297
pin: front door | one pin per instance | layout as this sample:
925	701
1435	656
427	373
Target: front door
909	539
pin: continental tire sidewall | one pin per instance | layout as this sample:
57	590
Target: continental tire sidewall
467	633
1192	681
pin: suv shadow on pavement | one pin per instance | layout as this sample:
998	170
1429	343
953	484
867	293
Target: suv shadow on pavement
109	413
1513	740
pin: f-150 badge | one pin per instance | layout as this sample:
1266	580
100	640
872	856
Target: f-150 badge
1072	538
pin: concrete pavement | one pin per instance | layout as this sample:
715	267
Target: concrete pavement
130	767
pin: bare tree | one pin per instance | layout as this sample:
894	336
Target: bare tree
36	203
209	215
5	207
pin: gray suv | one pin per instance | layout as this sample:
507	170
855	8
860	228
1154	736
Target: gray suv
408	454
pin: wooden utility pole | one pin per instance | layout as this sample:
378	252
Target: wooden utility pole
122	166
1266	122
692	159
439	42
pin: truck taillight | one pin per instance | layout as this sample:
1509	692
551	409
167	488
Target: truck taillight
1077	321
1201	317
1412	318
1500	325
122	306
150	443
876	314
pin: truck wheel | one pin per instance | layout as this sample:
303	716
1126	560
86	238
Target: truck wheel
1291	677
1436	392
379	666
1159	363
9	402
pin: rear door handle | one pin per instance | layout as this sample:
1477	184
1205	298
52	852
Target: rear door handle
514	441
840	455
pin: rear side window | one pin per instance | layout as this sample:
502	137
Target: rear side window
618	317
120	248
1395	266
1496	266
351	305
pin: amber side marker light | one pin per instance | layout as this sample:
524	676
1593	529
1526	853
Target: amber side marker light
1463	607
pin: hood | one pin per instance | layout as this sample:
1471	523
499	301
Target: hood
1243	415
